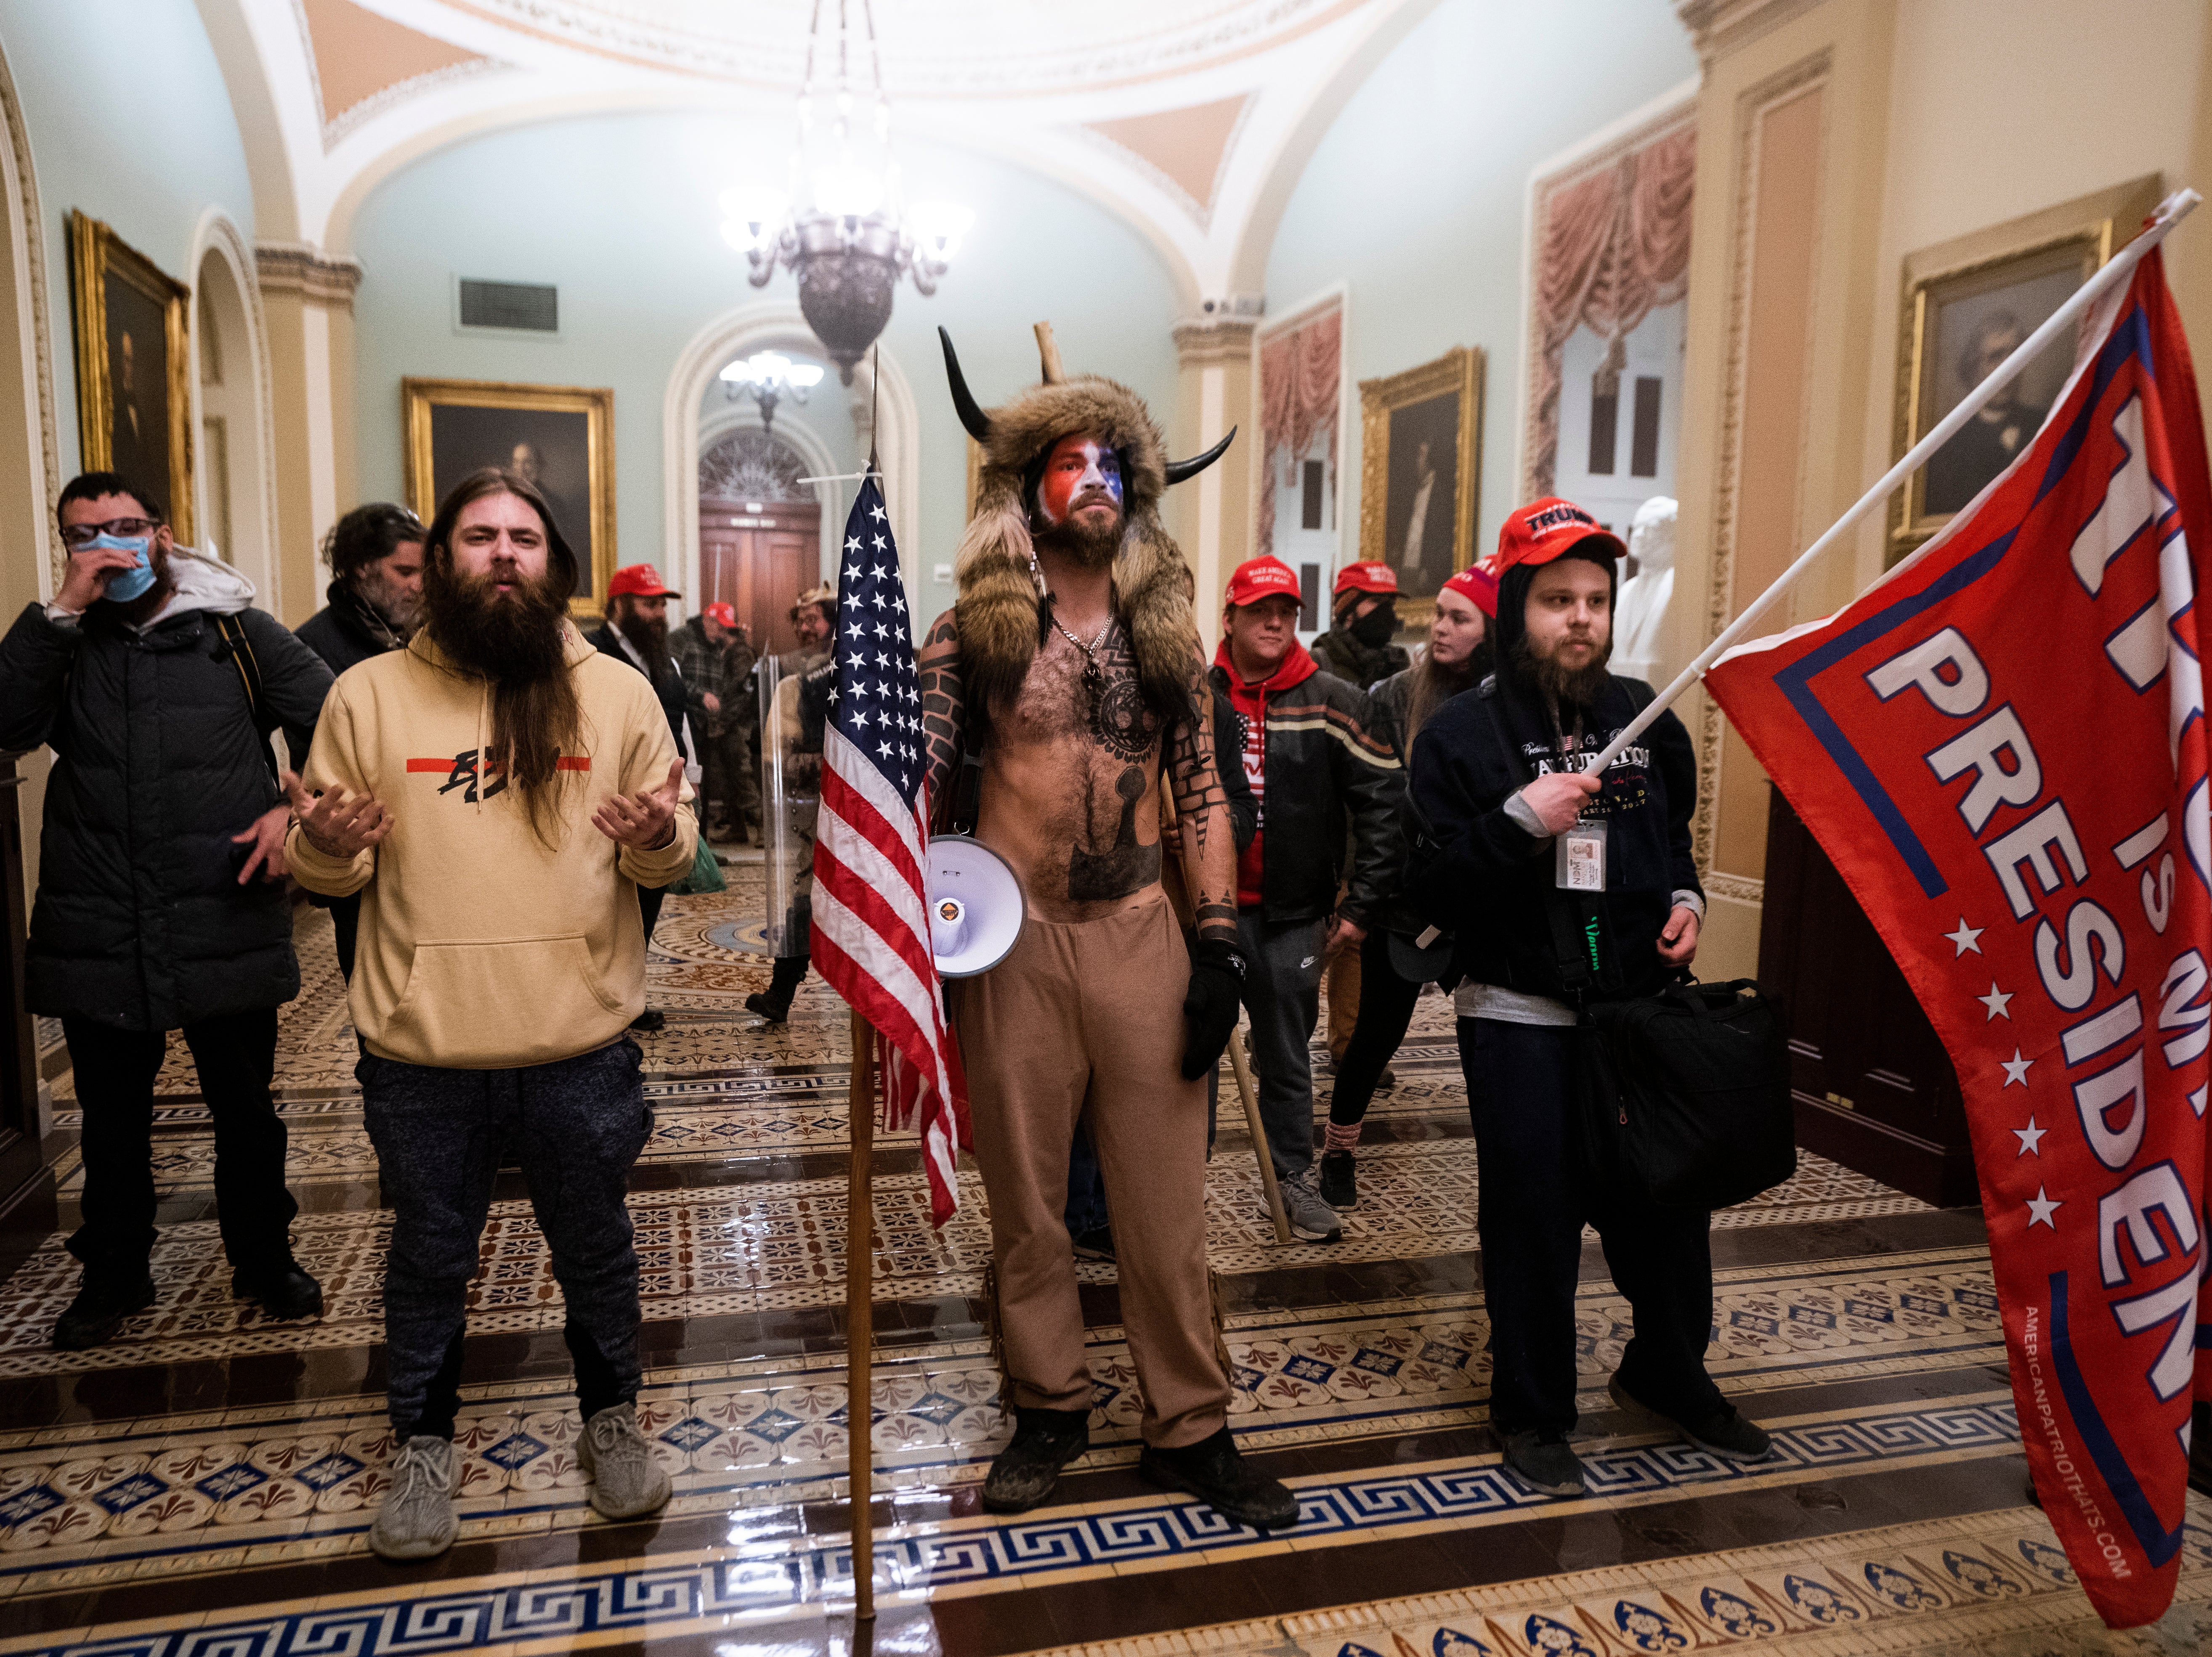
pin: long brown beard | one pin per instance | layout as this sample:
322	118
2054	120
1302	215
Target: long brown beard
1567	687
1435	684
516	643
1091	548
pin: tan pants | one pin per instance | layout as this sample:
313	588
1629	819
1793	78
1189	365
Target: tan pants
1085	1022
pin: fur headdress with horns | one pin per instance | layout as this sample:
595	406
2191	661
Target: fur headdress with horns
998	610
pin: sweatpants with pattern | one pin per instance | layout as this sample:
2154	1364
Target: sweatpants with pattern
1083	1022
1520	1081
576	1126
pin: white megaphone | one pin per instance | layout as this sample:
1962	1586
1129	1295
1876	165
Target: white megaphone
974	906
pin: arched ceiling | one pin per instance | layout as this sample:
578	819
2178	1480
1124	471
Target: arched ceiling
1182	116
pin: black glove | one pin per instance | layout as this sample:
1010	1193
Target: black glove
1217	989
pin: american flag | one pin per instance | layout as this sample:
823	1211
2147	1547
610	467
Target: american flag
871	925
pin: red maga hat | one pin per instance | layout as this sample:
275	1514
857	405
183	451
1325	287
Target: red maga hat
1367	575
1478	586
721	611
641	581
1543	530
1264	577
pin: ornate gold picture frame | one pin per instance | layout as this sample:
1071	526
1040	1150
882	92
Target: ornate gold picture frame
1967	301
134	397
1420	452
561	437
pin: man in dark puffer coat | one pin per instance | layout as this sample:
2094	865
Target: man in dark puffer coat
161	902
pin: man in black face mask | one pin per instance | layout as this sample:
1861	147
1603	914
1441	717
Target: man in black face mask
1363	615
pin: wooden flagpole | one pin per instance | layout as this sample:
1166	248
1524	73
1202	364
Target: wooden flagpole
1242	1065
859	1316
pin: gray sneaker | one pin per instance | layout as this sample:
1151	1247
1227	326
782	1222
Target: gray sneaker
416	1519
1545	1463
626	1481
1312	1220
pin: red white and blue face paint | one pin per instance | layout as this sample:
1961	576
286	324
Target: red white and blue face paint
1080	472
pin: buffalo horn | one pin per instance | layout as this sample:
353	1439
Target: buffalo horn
973	418
1180	470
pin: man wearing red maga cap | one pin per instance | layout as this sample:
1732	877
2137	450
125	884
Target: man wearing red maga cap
1311	764
1363	620
1561	890
635	632
715	657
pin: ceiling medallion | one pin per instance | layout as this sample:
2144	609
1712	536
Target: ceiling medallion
843	229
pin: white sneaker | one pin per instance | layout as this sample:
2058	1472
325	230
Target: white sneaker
417	1519
626	1481
1312	1220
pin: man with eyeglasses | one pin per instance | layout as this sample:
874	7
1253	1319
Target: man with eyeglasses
161	902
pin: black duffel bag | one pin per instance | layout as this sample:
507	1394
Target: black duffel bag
1686	1096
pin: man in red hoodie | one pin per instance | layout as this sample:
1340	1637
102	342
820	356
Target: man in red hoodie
1312	764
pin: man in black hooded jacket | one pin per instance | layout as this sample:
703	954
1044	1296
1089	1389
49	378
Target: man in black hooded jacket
1499	776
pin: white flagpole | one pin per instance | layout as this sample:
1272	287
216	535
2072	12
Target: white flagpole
2171	212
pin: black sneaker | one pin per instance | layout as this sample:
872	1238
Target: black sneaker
1728	1433
1023	1473
1340	1185
1212	1470
102	1304
774	1011
287	1292
650	1020
1545	1463
1096	1244
1387	1080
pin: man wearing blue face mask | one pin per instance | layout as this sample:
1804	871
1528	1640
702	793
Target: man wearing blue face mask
161	902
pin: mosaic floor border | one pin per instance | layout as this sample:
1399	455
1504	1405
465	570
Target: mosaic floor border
86	1504
768	1578
1992	1584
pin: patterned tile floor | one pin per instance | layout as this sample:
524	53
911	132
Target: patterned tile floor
201	1483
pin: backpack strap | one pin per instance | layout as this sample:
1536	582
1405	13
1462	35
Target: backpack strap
240	649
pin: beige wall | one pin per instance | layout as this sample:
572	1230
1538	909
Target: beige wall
1835	137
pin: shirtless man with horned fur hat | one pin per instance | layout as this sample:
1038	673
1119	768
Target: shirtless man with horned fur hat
1070	661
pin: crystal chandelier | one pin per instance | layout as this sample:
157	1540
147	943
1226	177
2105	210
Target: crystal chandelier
842	227
767	377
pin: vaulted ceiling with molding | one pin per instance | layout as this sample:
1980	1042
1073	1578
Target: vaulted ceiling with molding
1190	118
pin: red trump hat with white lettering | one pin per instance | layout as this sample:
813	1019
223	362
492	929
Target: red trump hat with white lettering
1366	576
722	611
1264	577
641	579
1545	529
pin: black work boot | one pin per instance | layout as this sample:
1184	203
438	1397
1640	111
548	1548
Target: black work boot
1212	1470
283	1290
1045	1440
774	1004
103	1300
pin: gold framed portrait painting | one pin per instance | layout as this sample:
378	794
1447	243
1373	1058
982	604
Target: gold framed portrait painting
561	438
1419	466
1966	305
134	412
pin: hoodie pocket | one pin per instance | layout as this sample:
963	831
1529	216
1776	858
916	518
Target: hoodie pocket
493	1005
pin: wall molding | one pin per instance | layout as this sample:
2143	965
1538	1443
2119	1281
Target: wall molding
218	233
28	234
1752	106
297	268
1736	888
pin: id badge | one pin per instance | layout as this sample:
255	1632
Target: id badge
1578	857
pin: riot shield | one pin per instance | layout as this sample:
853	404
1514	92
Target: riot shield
791	796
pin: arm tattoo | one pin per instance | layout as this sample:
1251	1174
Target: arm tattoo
1209	858
944	713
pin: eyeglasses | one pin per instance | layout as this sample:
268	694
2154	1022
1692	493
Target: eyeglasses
83	534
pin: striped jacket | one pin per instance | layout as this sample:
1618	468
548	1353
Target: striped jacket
1324	770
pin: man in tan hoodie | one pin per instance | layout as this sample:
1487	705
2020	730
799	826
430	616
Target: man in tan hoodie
497	792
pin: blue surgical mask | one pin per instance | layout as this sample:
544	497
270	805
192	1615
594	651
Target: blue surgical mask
131	583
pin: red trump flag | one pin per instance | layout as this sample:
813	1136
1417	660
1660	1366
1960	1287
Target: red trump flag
2001	745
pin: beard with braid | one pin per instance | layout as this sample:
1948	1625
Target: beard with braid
1089	547
1567	687
518	644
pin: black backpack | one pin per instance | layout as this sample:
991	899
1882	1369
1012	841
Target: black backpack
1685	1096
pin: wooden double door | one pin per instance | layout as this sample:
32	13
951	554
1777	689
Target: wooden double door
758	559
